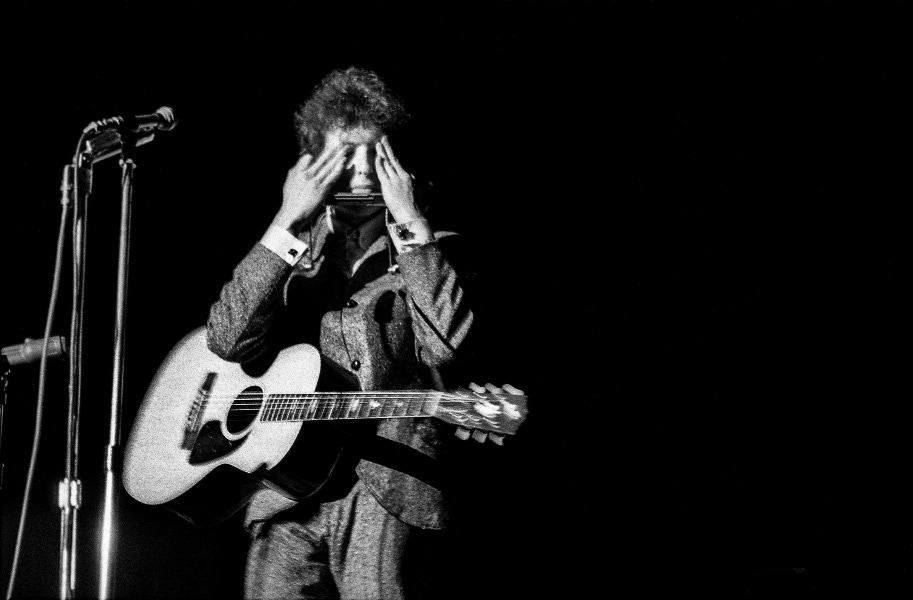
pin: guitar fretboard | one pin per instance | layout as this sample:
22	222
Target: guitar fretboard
327	406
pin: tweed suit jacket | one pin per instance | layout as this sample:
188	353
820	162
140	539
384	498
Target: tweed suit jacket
382	329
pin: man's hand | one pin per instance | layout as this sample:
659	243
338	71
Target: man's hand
395	184
306	187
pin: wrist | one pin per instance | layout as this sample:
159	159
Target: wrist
406	215
291	224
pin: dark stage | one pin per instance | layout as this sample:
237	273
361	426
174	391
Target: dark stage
688	217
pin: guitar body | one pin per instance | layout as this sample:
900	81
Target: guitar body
199	448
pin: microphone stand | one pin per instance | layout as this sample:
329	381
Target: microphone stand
5	370
96	145
113	450
69	497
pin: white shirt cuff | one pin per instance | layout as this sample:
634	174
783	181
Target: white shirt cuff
410	235
284	244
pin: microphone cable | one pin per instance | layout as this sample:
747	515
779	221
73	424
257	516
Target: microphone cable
68	180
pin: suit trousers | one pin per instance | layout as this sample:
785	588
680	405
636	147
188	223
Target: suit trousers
349	548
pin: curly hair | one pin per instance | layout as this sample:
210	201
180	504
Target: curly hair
354	97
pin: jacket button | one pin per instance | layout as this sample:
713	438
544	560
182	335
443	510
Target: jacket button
351	303
356	365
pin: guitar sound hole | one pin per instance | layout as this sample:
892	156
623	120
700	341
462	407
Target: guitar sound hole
244	410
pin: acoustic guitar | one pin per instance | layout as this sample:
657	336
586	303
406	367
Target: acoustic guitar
208	435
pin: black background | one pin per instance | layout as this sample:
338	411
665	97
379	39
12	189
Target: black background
690	216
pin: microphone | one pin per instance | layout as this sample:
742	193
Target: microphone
161	120
30	350
109	142
105	138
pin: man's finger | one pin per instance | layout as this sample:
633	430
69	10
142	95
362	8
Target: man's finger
325	157
388	150
381	150
303	161
394	162
382	167
334	170
327	170
384	153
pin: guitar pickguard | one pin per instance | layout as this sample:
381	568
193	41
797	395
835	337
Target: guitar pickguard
212	445
195	416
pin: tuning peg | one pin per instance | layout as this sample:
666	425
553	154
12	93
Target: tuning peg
497	439
462	433
479	436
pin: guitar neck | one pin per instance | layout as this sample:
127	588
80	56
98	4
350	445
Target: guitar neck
332	406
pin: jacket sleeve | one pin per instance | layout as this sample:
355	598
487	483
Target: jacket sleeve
439	299
241	320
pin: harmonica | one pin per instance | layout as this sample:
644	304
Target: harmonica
350	199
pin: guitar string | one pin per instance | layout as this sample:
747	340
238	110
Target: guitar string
293	402
330	397
328	409
294	398
296	402
255	405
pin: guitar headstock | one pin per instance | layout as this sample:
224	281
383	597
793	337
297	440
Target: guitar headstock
497	414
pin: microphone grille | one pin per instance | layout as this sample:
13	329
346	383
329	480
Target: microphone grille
169	121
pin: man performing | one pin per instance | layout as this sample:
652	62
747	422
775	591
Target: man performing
378	292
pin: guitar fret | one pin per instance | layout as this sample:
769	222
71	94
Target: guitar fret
295	404
417	405
352	409
280	409
396	407
370	407
310	408
291	406
402	404
325	406
401	407
268	412
299	408
336	407
277	410
364	407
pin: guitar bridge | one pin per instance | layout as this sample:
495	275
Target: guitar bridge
194	421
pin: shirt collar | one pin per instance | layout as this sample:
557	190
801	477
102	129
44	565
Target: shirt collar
367	233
